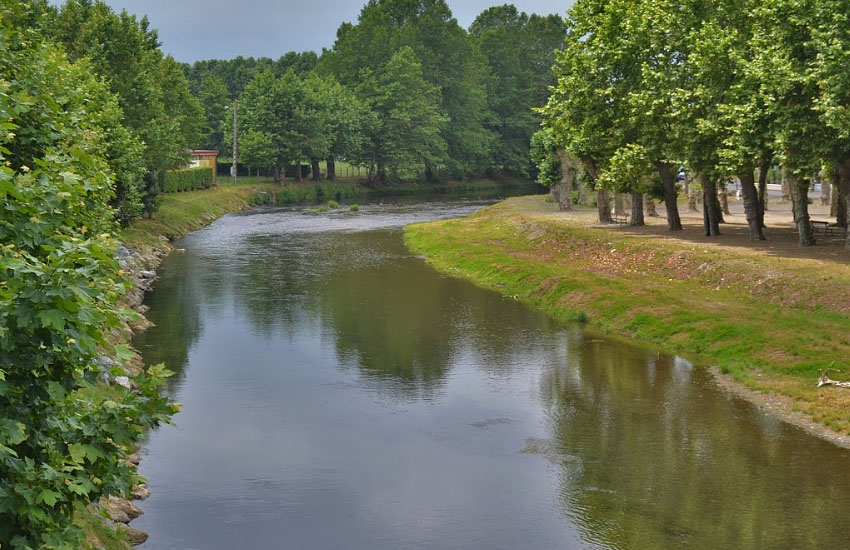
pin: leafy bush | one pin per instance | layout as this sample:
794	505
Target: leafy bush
63	437
262	198
187	180
354	208
333	205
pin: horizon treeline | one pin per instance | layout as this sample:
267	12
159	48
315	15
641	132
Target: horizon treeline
405	92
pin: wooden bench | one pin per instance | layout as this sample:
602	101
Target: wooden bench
821	226
622	220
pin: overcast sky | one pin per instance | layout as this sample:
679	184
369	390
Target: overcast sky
222	29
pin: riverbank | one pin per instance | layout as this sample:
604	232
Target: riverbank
767	323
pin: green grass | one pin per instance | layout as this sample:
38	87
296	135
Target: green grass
624	284
98	535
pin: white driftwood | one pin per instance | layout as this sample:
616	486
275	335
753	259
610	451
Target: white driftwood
824	380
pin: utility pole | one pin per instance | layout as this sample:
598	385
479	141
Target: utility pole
235	137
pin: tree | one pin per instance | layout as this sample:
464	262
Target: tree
212	93
556	168
257	150
343	120
831	40
520	52
784	58
406	134
152	91
449	63
282	111
63	440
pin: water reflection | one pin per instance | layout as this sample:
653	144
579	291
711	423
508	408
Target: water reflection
652	457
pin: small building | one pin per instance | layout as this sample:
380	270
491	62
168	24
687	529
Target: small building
204	158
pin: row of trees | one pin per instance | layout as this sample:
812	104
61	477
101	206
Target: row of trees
63	439
419	95
723	88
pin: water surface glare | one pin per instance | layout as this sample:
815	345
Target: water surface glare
340	394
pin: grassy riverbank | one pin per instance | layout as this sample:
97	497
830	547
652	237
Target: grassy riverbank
771	323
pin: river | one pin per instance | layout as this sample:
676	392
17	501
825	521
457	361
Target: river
340	394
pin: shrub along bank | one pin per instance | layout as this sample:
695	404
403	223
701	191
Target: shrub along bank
187	180
763	320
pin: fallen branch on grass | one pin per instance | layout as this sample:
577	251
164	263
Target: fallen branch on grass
824	380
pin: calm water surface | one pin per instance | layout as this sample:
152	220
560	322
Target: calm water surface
340	394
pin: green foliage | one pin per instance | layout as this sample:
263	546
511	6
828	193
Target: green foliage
354	208
153	94
238	72
450	64
544	155
187	180
520	52
333	205
280	115
406	131
212	94
257	149
62	437
628	170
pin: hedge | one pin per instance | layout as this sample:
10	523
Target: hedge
186	180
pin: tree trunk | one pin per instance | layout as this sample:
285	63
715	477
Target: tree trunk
582	193
762	190
637	209
668	178
800	202
620	204
693	195
825	193
649	207
317	171
603	206
298	177
723	197
331	169
278	172
561	195
751	204
382	173
843	170
839	197
565	186
710	206
786	186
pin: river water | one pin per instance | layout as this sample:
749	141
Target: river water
340	394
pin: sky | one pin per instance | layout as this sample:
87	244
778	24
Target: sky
222	29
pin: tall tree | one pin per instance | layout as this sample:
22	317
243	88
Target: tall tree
520	51
283	111
449	61
406	133
832	43
152	91
212	93
784	58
